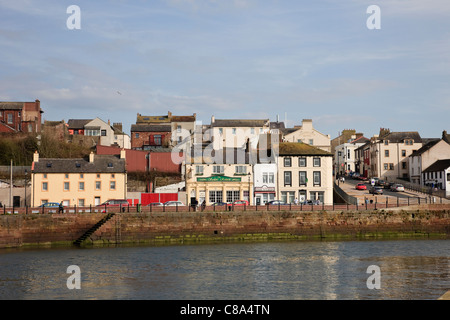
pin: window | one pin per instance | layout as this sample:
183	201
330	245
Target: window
157	139
288	178
136	135
232	195
215	196
391	166
112	185
288	196
386	142
409	142
316	162
98	185
252	130
403	153
103	133
98	175
81	176
287	162
45	176
199	170
81	202
302	178
241	170
386	153
66	186
178	129
348	154
112	176
271	177
268	177
44	186
316	178
386	166
218	169
81	186
220	130
66	176
302	162
404	165
233	130
10	118
311	141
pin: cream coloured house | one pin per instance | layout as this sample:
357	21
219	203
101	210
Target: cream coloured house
304	173
236	133
308	135
389	152
78	182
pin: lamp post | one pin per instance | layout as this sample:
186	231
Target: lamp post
26	175
249	189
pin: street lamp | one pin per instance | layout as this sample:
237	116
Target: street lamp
26	174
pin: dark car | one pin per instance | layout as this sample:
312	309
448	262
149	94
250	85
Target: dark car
276	203
219	204
50	205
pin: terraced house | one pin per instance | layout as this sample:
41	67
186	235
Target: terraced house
78	182
304	173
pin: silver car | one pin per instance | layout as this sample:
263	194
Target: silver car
397	187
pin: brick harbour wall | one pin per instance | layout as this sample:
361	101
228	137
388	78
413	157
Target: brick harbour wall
46	229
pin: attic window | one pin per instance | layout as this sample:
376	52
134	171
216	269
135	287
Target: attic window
49	164
77	165
110	165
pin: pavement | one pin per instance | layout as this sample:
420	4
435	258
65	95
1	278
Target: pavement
349	186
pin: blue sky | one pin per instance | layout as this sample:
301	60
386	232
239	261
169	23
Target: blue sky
233	59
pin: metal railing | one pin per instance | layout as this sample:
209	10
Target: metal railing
369	204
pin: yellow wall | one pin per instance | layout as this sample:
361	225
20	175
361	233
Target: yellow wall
56	193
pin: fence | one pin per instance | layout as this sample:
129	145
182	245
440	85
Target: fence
368	205
422	189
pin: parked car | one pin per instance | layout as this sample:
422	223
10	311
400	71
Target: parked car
219	204
380	183
276	202
49	205
376	190
311	202
114	203
239	203
397	187
360	186
355	175
155	204
173	203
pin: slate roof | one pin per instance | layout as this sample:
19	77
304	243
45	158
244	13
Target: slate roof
77	123
439	165
400	137
101	164
4	105
425	148
150	128
240	123
300	149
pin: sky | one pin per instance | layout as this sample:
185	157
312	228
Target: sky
231	59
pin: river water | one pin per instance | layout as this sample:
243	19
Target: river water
289	270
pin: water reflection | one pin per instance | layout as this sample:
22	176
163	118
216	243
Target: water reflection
413	269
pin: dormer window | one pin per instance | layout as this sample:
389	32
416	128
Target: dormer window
110	165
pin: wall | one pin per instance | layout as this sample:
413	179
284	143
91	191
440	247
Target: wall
44	229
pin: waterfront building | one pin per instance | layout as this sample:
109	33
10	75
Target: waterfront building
437	176
78	182
304	173
216	176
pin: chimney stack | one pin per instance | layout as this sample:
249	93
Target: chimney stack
91	157
36	156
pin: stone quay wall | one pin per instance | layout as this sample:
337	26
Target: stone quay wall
18	230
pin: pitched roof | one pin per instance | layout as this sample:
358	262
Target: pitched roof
101	164
398	137
439	165
301	149
240	123
77	123
5	105
425	148
150	128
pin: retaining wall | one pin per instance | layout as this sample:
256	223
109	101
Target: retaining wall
175	227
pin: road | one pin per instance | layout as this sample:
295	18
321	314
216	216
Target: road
391	196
